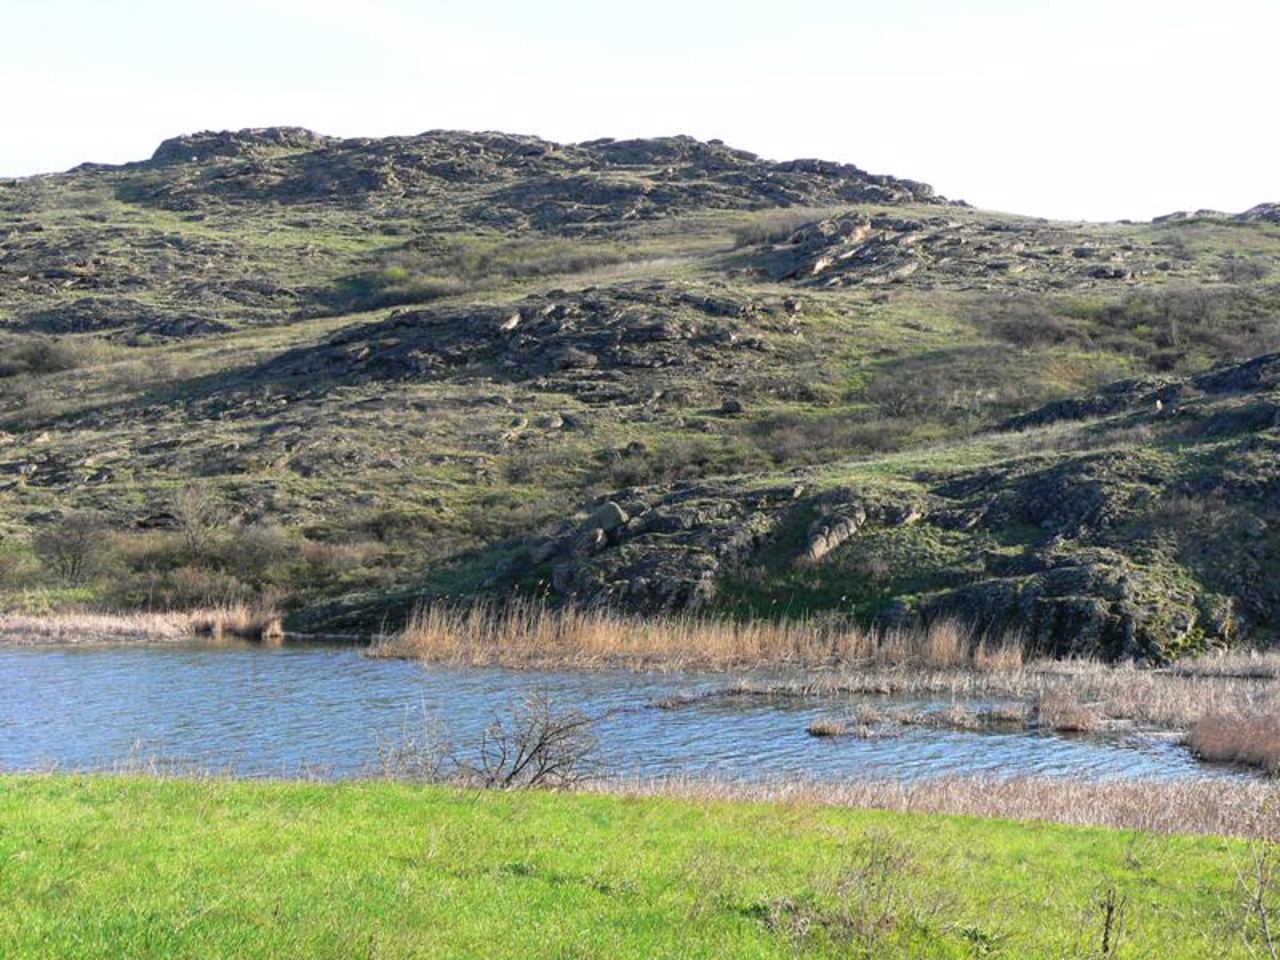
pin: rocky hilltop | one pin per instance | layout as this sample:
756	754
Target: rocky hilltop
355	375
501	179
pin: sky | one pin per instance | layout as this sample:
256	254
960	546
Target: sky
1073	110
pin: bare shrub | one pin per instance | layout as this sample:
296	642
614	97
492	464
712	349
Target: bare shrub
192	587
255	553
1024	321
422	754
791	437
199	514
534	745
1258	887
529	744
75	547
1238	268
1103	927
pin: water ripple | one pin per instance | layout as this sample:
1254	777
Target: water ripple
281	711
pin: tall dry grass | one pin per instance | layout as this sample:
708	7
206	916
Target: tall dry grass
1253	740
814	657
77	627
64	628
240	621
1075	694
528	633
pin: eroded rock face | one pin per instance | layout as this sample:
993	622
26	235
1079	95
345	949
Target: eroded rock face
209	144
670	550
1092	602
575	343
1262	213
830	531
861	250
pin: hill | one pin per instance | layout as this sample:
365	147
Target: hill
349	375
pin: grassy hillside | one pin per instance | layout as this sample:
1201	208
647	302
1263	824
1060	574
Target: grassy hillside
100	867
348	375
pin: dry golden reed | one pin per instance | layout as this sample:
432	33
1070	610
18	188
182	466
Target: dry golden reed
240	621
524	633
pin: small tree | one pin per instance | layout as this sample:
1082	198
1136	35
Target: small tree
73	548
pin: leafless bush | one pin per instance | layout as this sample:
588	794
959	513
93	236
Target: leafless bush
75	547
1258	886
802	438
535	745
422	754
199	514
1024	322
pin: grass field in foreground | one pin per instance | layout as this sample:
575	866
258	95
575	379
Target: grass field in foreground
136	867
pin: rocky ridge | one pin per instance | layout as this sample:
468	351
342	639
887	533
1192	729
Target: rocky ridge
1107	567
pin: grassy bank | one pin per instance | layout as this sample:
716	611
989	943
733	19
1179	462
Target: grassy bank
127	866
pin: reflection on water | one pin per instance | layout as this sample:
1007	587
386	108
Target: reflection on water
282	711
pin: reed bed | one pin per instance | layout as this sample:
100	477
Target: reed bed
89	628
1242	664
1238	738
1249	809
241	622
822	658
529	633
1063	695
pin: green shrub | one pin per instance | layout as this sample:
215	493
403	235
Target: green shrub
39	356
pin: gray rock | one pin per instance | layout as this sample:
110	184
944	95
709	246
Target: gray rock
608	517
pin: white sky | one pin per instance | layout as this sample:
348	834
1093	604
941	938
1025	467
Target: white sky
1062	108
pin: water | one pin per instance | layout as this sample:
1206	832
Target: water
329	710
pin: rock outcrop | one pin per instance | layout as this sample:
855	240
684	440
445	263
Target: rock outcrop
873	250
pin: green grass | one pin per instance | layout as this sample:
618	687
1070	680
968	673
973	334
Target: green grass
137	867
